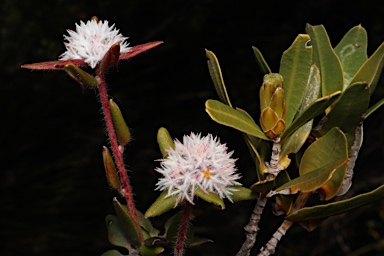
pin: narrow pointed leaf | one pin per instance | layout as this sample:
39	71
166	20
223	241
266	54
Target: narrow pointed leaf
242	194
127	222
374	108
294	142
137	49
326	60
327	210
210	198
294	67
226	115
161	205
80	76
53	65
110	169
217	77
121	128
352	52
263	65
370	71
316	108
165	141
117	235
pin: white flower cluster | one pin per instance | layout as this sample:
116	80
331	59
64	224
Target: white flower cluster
91	41
198	162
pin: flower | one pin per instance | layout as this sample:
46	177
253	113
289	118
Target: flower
91	41
198	162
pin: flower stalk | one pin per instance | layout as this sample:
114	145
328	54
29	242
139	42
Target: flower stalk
180	242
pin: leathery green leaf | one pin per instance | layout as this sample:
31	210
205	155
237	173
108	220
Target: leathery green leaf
172	227
370	71
316	108
210	198
311	181
127	222
348	110
352	52
226	115
217	77
327	210
110	169
164	140
294	142
332	147
326	60
161	205
242	194
294	67
261	61
117	235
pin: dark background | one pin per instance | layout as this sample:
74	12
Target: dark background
54	195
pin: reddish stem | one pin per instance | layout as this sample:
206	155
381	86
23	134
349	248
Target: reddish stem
126	186
183	229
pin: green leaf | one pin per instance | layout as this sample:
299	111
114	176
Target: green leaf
112	253
217	77
327	210
294	67
210	198
294	142
150	250
252	143
348	110
331	148
242	194
127	222
172	227
352	52
165	141
147	225
117	235
110	169
261	61
370	71
80	76
316	108
374	108
226	115
161	205
121	128
326	60
198	241
311	181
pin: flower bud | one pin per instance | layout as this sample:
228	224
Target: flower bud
272	105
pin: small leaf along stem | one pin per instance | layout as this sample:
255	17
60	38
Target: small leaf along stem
183	230
126	187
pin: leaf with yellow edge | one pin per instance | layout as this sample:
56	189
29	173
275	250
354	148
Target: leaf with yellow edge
261	61
217	77
310	181
226	115
327	210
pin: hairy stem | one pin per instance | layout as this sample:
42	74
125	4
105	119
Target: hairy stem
183	230
126	186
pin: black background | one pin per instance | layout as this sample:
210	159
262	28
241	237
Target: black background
54	195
